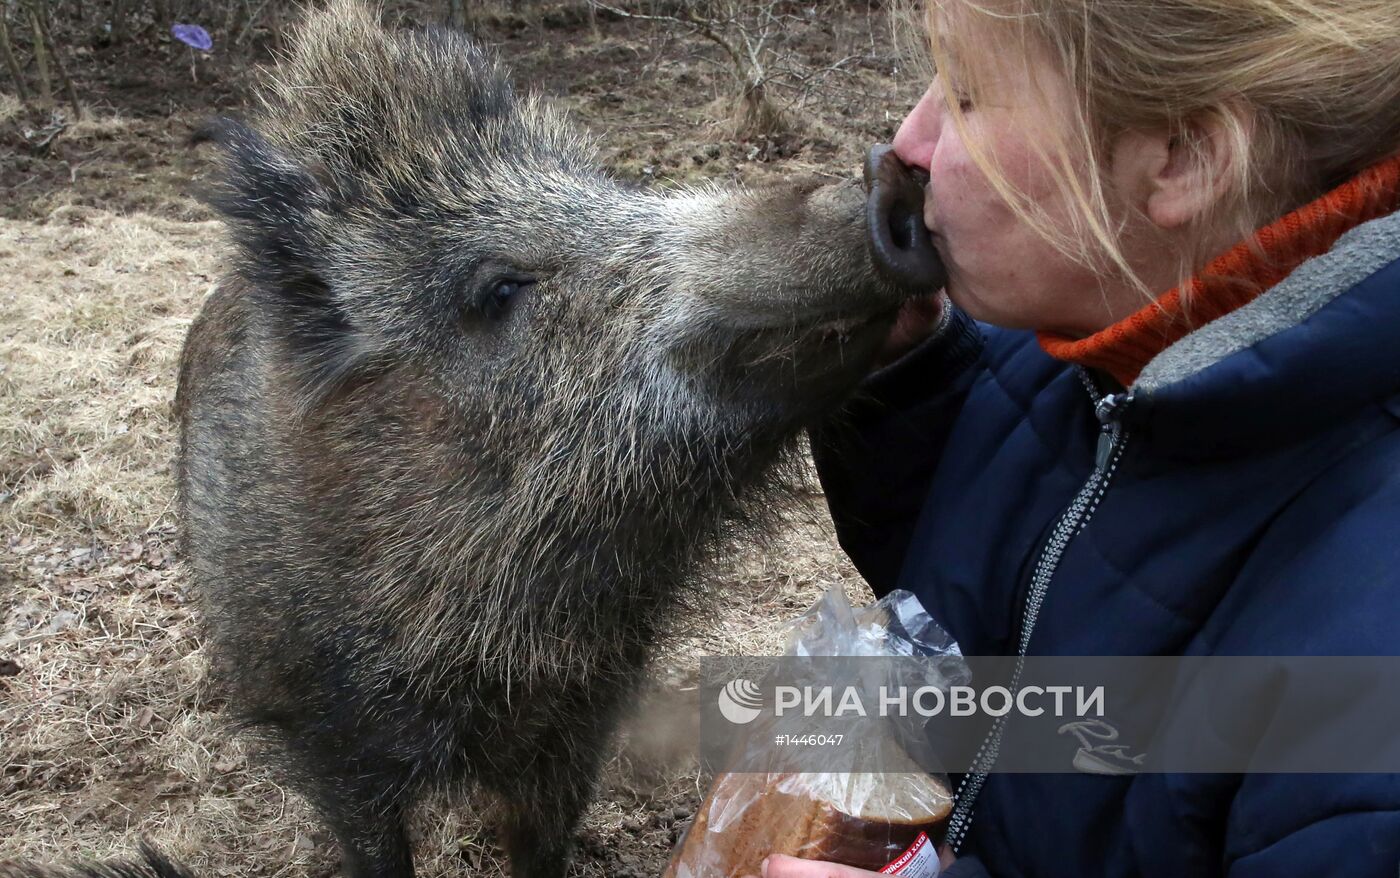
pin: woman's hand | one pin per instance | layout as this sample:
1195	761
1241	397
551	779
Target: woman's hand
783	866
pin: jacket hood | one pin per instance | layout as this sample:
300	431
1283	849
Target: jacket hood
1317	346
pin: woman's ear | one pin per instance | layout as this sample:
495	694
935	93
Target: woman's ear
1190	170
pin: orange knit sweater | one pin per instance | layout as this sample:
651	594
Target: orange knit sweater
1233	278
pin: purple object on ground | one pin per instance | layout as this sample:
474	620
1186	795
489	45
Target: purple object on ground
193	35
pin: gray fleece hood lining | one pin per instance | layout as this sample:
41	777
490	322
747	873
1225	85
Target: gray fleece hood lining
1356	256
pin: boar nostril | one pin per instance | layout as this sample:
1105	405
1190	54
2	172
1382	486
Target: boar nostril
900	246
902	230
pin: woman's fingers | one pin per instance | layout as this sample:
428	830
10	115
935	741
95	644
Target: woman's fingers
946	857
783	866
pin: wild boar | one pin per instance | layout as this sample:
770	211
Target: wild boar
466	425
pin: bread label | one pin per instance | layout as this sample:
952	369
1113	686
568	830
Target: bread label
919	860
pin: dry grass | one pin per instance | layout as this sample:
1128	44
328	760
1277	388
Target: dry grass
10	107
93	311
107	731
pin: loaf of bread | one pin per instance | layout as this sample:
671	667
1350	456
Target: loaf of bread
864	820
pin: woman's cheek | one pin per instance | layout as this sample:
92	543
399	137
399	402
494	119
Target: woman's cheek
965	214
962	198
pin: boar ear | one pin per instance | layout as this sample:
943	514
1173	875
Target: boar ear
279	215
269	201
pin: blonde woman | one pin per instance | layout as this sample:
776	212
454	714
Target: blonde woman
1159	410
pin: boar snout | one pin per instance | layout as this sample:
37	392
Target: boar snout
777	308
900	246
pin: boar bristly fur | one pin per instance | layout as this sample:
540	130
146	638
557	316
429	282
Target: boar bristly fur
469	421
150	864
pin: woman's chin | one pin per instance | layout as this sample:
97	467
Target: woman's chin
987	310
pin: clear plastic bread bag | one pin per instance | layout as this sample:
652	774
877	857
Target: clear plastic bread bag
891	820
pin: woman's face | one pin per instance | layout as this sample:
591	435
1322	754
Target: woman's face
1001	270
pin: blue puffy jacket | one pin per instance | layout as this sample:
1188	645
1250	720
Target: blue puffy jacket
1242	499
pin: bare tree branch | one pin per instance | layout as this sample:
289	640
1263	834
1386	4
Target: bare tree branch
744	31
41	57
39	17
7	46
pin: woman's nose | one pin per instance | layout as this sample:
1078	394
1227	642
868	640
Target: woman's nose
917	136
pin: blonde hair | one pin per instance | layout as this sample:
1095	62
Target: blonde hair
1307	93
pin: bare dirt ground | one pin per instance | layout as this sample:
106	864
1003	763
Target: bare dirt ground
107	729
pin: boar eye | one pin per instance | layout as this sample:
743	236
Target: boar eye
499	296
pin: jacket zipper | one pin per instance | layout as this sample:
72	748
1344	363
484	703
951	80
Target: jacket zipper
1111	443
